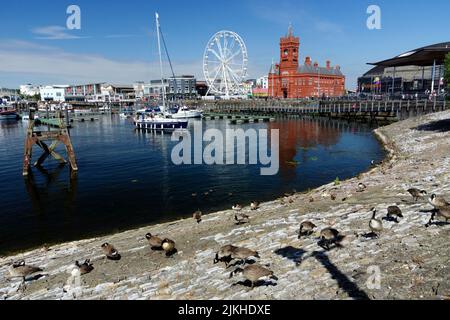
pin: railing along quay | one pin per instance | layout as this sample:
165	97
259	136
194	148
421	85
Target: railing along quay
386	110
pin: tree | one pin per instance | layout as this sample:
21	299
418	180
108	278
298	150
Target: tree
447	70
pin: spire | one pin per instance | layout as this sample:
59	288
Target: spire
290	31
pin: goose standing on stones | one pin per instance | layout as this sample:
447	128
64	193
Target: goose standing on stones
254	205
438	202
243	254
224	255
169	247
21	270
443	212
306	229
394	213
155	242
84	268
254	273
416	193
237	208
241	218
110	252
375	225
328	237
361	187
197	216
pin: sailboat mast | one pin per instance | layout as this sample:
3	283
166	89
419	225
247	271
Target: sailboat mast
160	62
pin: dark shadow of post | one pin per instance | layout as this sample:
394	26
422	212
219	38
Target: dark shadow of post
342	280
437	126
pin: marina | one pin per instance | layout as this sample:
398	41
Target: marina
248	151
118	167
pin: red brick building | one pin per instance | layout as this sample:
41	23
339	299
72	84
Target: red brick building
288	79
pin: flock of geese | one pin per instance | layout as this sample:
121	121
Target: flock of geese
244	259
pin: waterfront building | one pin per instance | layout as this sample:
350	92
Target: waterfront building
182	87
139	89
54	93
260	92
154	89
8	94
29	90
263	82
415	73
84	92
118	93
248	86
289	79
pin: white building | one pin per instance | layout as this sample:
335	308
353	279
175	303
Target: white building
53	93
263	82
29	90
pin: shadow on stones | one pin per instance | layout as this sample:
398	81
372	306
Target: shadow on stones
342	280
370	235
438	224
437	126
242	263
170	254
260	283
291	253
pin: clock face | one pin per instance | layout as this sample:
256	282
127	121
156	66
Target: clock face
286	52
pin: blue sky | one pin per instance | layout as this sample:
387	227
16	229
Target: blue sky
117	40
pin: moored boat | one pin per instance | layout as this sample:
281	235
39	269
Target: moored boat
8	114
186	113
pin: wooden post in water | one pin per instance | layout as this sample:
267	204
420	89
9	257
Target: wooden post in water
38	137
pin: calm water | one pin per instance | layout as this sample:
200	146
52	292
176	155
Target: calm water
126	179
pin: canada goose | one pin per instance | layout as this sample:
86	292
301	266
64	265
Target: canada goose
254	205
306	229
237	208
243	254
224	254
169	247
241	218
21	270
394	213
416	193
328	237
361	187
155	242
438	202
110	252
375	225
197	216
254	273
442	212
84	268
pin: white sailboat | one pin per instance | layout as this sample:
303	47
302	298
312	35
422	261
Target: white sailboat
186	113
159	121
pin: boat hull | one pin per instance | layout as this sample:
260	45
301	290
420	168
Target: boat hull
161	125
187	115
9	115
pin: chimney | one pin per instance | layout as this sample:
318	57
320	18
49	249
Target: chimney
316	64
338	67
308	61
328	64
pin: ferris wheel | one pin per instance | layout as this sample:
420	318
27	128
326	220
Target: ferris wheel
225	63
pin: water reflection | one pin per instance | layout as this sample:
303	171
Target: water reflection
39	195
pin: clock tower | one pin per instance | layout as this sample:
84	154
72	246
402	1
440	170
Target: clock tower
289	53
